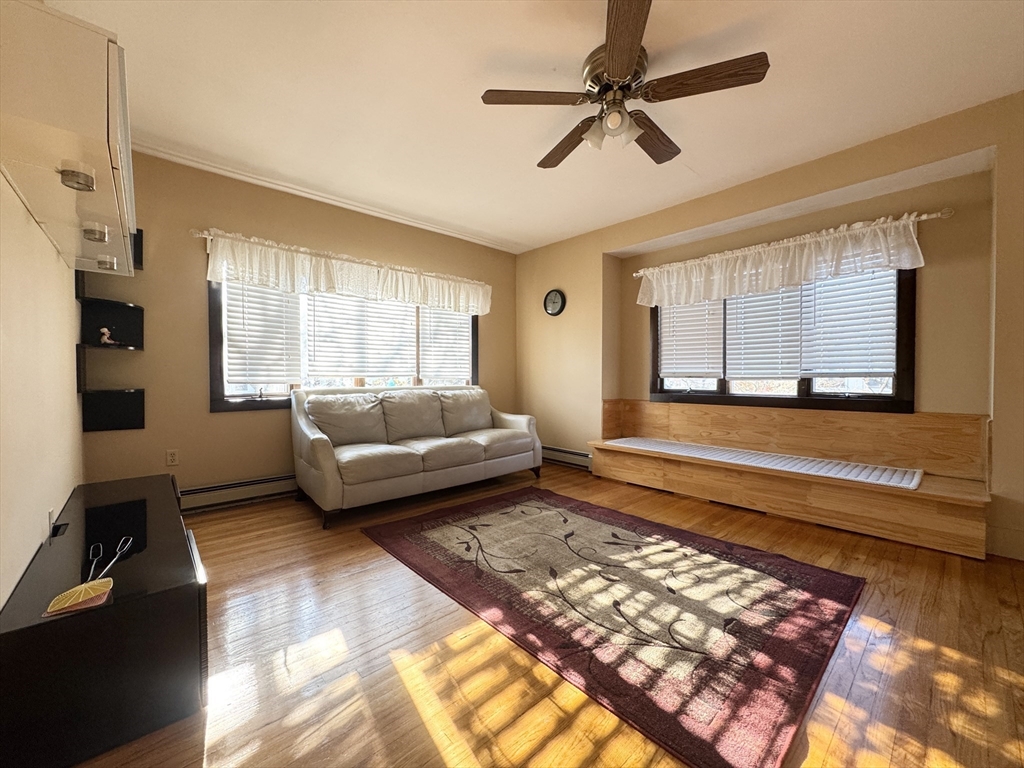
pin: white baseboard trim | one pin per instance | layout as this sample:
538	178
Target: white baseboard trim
196	499
565	456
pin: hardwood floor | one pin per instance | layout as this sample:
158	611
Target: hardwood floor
324	650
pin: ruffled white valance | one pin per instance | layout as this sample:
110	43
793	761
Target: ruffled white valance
292	269
846	250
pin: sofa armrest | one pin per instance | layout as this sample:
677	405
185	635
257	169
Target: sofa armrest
514	421
316	449
312	448
521	421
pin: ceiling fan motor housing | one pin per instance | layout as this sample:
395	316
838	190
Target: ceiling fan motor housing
597	84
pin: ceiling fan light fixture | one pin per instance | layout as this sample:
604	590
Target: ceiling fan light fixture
615	120
629	135
595	135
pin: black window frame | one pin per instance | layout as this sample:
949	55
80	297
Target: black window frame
220	403
900	401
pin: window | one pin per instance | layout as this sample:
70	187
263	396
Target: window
261	329
845	342
263	342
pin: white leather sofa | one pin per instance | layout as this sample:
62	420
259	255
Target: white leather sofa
358	446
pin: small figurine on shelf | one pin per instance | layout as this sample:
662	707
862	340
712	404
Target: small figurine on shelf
105	338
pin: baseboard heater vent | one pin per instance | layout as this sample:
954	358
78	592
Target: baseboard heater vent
565	456
197	499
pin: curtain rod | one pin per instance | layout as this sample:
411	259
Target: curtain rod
945	213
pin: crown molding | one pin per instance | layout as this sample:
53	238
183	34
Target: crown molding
952	167
175	156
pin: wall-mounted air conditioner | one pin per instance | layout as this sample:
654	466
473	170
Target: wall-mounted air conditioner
64	142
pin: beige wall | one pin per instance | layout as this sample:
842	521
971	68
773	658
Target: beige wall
559	369
611	329
174	368
40	418
953	305
561	388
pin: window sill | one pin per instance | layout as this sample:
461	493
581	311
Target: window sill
812	402
227	405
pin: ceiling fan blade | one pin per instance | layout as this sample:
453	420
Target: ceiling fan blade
562	149
745	70
653	140
624	32
534	97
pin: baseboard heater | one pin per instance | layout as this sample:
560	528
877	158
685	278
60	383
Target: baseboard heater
565	456
195	499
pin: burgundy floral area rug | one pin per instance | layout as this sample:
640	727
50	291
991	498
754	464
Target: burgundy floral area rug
711	649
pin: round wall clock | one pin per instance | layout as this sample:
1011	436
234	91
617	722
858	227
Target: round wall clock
554	302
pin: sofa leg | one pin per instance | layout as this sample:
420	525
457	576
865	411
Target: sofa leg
536	472
300	495
327	522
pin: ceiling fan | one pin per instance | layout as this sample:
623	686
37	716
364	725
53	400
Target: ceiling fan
614	73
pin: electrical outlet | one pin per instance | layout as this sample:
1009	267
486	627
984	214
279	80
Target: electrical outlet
172	457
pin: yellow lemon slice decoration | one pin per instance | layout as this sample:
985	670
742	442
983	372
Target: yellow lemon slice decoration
80	594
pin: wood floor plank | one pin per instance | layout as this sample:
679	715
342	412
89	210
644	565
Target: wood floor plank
325	650
897	676
813	738
970	721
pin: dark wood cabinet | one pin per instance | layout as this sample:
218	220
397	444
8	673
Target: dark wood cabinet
75	685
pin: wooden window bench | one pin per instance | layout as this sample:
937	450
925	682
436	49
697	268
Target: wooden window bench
945	512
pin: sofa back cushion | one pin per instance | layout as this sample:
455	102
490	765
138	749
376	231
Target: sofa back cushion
464	410
348	419
412	413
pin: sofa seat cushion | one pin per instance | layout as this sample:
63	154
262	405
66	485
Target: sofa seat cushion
501	442
464	410
412	413
445	452
363	462
347	419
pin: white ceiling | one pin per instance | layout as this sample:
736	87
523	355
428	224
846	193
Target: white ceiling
376	105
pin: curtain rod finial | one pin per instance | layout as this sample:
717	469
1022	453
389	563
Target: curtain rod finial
946	213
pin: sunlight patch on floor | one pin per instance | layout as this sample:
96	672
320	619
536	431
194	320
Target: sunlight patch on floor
936	758
484	701
240	756
445	735
310	709
300	663
294	701
344	715
232	696
1014	750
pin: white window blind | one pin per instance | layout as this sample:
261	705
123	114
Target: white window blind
445	345
763	336
840	327
349	337
690	341
261	335
848	326
273	339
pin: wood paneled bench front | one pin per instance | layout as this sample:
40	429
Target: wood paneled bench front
945	512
